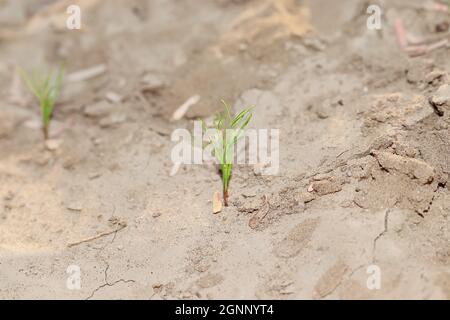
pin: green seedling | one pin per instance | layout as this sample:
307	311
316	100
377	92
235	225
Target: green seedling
226	132
45	87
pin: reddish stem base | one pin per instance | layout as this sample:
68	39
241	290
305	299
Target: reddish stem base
225	198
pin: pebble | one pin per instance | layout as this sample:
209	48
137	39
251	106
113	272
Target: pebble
112	120
88	73
98	109
156	214
436	76
152	83
209	280
325	187
314	43
305	197
321	176
53	144
441	99
249	193
97	141
113	97
94	175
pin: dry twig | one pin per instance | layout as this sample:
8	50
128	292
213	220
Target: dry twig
121	225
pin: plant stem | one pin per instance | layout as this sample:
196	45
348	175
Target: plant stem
45	113
45	129
225	198
226	173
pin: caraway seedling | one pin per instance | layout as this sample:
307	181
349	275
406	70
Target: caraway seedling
227	130
45	87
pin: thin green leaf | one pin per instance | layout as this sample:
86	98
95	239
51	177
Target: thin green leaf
239	116
46	89
227	110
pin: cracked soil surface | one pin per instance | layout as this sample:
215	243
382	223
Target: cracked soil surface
364	152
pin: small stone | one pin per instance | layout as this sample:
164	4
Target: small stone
249	194
113	97
314	43
306	197
413	168
86	74
156	214
441	99
436	76
209	280
186	295
97	141
321	176
98	109
325	187
53	144
254	222
328	282
152	83
94	175
250	205
322	113
112	120
181	111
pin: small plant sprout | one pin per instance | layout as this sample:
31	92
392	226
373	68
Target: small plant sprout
226	132
45	87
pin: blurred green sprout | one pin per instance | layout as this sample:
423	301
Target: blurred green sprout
45	86
227	130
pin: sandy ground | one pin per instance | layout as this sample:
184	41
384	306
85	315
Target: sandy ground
364	152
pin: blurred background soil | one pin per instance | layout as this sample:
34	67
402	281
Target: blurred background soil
364	150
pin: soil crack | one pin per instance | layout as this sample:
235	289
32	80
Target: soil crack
439	186
108	284
382	233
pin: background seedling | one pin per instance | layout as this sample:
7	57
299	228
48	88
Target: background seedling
227	132
45	87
